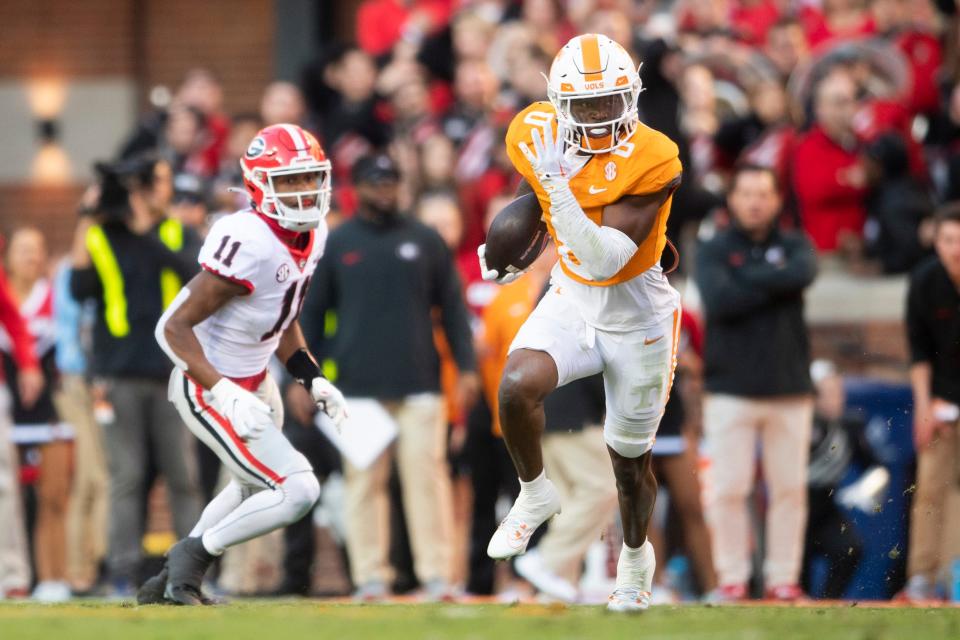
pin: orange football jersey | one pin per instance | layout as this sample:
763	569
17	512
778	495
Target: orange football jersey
644	164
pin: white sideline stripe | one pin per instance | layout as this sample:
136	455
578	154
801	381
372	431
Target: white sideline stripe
303	149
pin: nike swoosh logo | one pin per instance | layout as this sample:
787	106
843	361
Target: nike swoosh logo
593	190
648	341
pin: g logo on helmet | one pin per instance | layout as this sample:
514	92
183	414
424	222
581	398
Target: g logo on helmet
257	147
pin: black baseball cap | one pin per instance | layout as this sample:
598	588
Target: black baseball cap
377	167
188	188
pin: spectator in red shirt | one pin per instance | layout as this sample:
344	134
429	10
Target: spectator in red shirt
828	180
14	568
751	19
382	23
838	19
202	89
895	22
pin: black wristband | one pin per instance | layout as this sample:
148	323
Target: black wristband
303	367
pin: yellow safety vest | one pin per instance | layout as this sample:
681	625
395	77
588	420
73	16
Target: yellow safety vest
114	296
329	365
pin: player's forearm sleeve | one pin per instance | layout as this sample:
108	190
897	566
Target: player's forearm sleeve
602	251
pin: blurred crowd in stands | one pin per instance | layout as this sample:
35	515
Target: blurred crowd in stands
851	107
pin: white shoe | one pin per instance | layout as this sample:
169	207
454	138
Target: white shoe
628	600
51	591
374	591
513	535
634	582
919	588
531	567
438	590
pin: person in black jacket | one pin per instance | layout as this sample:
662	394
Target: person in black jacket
130	259
752	276
384	275
933	331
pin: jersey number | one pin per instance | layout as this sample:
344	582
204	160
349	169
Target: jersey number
228	260
538	118
285	317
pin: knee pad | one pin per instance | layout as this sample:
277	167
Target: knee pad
301	490
631	438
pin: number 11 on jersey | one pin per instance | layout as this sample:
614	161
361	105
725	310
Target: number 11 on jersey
285	318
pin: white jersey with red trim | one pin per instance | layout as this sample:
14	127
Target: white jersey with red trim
240	337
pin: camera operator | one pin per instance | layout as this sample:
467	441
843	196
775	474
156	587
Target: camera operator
131	259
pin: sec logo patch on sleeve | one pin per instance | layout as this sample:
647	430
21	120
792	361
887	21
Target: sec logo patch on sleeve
610	171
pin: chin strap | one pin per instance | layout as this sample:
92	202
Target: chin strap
676	258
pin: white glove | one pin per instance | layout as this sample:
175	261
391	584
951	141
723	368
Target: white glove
248	414
553	165
867	492
492	275
330	400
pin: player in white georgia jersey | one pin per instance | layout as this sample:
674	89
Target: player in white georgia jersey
221	331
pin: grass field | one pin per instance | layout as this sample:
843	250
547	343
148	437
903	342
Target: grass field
287	620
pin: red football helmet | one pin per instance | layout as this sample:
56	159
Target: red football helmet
281	150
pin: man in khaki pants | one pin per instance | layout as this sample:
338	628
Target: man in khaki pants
89	497
933	324
752	276
420	455
89	504
380	288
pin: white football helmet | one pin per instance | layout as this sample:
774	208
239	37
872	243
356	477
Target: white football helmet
594	87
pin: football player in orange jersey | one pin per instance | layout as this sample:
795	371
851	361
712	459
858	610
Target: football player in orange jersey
604	181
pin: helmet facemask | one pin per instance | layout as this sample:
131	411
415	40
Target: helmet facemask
597	122
303	210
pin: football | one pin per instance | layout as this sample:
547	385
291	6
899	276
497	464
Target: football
517	235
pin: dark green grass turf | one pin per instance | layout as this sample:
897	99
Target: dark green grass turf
288	620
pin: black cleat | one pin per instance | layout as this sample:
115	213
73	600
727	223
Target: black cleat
183	594
151	591
187	562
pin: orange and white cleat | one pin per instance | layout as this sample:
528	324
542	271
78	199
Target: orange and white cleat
513	535
635	570
628	600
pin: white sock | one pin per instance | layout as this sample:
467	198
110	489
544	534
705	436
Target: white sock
633	556
223	503
538	488
263	512
635	562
